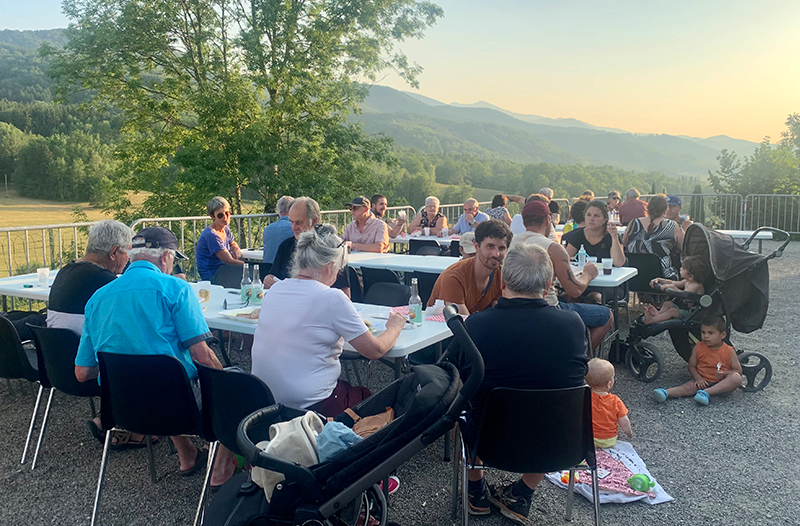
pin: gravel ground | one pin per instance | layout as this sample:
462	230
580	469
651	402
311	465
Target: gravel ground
728	463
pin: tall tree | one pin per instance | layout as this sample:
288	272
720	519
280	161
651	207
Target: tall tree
221	95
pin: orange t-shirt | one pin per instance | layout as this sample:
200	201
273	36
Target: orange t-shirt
707	360
457	285
606	410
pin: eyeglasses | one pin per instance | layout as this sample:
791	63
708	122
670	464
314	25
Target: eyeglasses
223	214
323	231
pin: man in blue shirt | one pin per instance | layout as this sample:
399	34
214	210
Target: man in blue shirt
148	311
470	218
275	233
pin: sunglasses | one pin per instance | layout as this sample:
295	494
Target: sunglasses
223	214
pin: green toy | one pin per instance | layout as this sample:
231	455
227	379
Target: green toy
641	482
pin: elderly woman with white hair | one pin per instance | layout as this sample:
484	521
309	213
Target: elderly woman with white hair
303	326
429	217
216	248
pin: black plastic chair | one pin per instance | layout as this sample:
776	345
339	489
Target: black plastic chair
533	431
146	394
56	352
429	251
17	363
388	294
414	245
649	267
425	282
229	276
455	249
228	395
356	290
377	275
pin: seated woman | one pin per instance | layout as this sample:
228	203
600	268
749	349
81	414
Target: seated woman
304	324
429	217
215	247
655	234
499	210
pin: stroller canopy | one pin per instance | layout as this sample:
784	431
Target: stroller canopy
742	276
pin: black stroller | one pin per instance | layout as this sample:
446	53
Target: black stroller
344	491
737	289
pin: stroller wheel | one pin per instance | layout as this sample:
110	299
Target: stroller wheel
645	362
756	371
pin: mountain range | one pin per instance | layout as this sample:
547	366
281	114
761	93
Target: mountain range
483	129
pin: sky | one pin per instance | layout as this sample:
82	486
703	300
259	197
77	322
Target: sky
699	68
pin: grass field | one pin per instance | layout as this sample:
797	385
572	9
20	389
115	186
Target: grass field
21	211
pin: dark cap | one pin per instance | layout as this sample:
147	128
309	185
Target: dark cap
536	209
360	201
674	200
157	237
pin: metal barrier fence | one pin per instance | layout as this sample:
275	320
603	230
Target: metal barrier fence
720	211
778	211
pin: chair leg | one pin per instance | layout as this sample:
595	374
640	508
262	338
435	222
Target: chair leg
103	462
570	494
369	373
92	407
456	466
209	468
44	427
596	497
151	458
33	422
464	485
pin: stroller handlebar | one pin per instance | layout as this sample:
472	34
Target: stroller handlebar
473	357
776	253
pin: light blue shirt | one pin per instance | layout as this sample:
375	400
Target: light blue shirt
275	234
144	311
463	227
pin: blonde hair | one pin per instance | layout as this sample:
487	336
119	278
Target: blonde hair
600	373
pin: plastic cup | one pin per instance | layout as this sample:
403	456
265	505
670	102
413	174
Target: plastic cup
427	231
44	276
445	232
608	264
401	215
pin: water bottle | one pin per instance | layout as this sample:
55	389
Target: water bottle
415	305
257	287
247	289
583	257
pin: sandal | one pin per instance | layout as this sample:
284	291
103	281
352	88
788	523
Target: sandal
124	440
199	463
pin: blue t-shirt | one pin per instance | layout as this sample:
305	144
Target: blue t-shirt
463	227
144	311
206	251
274	234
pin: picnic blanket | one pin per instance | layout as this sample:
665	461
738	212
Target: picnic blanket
624	453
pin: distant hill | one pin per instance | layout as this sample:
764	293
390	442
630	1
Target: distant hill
32	39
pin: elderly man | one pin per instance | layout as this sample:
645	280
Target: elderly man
632	208
674	207
547	192
525	344
598	318
304	214
366	233
473	284
470	219
275	233
147	311
379	205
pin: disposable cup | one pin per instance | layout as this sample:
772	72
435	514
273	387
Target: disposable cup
44	276
401	215
608	264
445	232
427	231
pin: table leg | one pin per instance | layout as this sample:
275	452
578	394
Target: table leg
615	346
759	245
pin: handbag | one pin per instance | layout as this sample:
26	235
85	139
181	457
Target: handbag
369	425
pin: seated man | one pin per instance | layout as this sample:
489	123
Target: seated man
379	205
304	214
473	284
470	219
525	344
366	232
173	325
536	216
275	233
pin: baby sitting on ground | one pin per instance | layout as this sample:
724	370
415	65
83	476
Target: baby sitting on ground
608	411
694	272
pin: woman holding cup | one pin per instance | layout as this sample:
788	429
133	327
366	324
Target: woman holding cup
429	220
599	237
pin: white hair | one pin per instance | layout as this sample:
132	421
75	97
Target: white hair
527	269
547	192
104	235
432	199
312	208
284	204
149	253
471	201
633	193
216	203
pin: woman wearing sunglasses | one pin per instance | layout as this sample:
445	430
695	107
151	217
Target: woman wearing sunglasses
216	246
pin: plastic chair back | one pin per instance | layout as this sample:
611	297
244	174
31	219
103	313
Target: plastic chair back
229	276
425	282
14	361
537	430
356	291
377	275
229	395
147	394
649	267
388	294
57	349
414	245
455	249
429	251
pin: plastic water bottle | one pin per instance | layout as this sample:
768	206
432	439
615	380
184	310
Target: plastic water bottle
583	257
415	305
257	288
247	286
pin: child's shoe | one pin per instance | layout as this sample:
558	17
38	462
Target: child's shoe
660	395
701	397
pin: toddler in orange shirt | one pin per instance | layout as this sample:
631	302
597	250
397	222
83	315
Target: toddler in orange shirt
608	411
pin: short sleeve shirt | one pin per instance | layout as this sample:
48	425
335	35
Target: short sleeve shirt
606	411
457	285
72	288
274	234
208	245
630	210
463	227
144	311
374	231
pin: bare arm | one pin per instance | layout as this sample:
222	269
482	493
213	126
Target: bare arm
235	250
516	199
617	253
438	228
573	286
84	374
507	218
415	222
736	367
462	309
371	247
202	354
372	347
699	381
625	424
225	256
679	238
397	229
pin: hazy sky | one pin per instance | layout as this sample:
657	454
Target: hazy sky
700	67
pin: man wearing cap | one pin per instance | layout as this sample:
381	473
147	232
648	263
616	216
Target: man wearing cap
466	245
470	219
366	232
674	207
147	311
536	217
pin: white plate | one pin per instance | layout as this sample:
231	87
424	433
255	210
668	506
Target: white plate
234	313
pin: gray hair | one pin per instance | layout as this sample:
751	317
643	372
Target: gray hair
633	193
316	248
284	204
104	235
217	203
312	208
527	269
432	199
149	253
547	192
471	200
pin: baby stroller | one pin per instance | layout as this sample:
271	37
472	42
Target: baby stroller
737	289
344	490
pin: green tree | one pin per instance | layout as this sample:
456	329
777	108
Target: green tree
221	95
12	141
